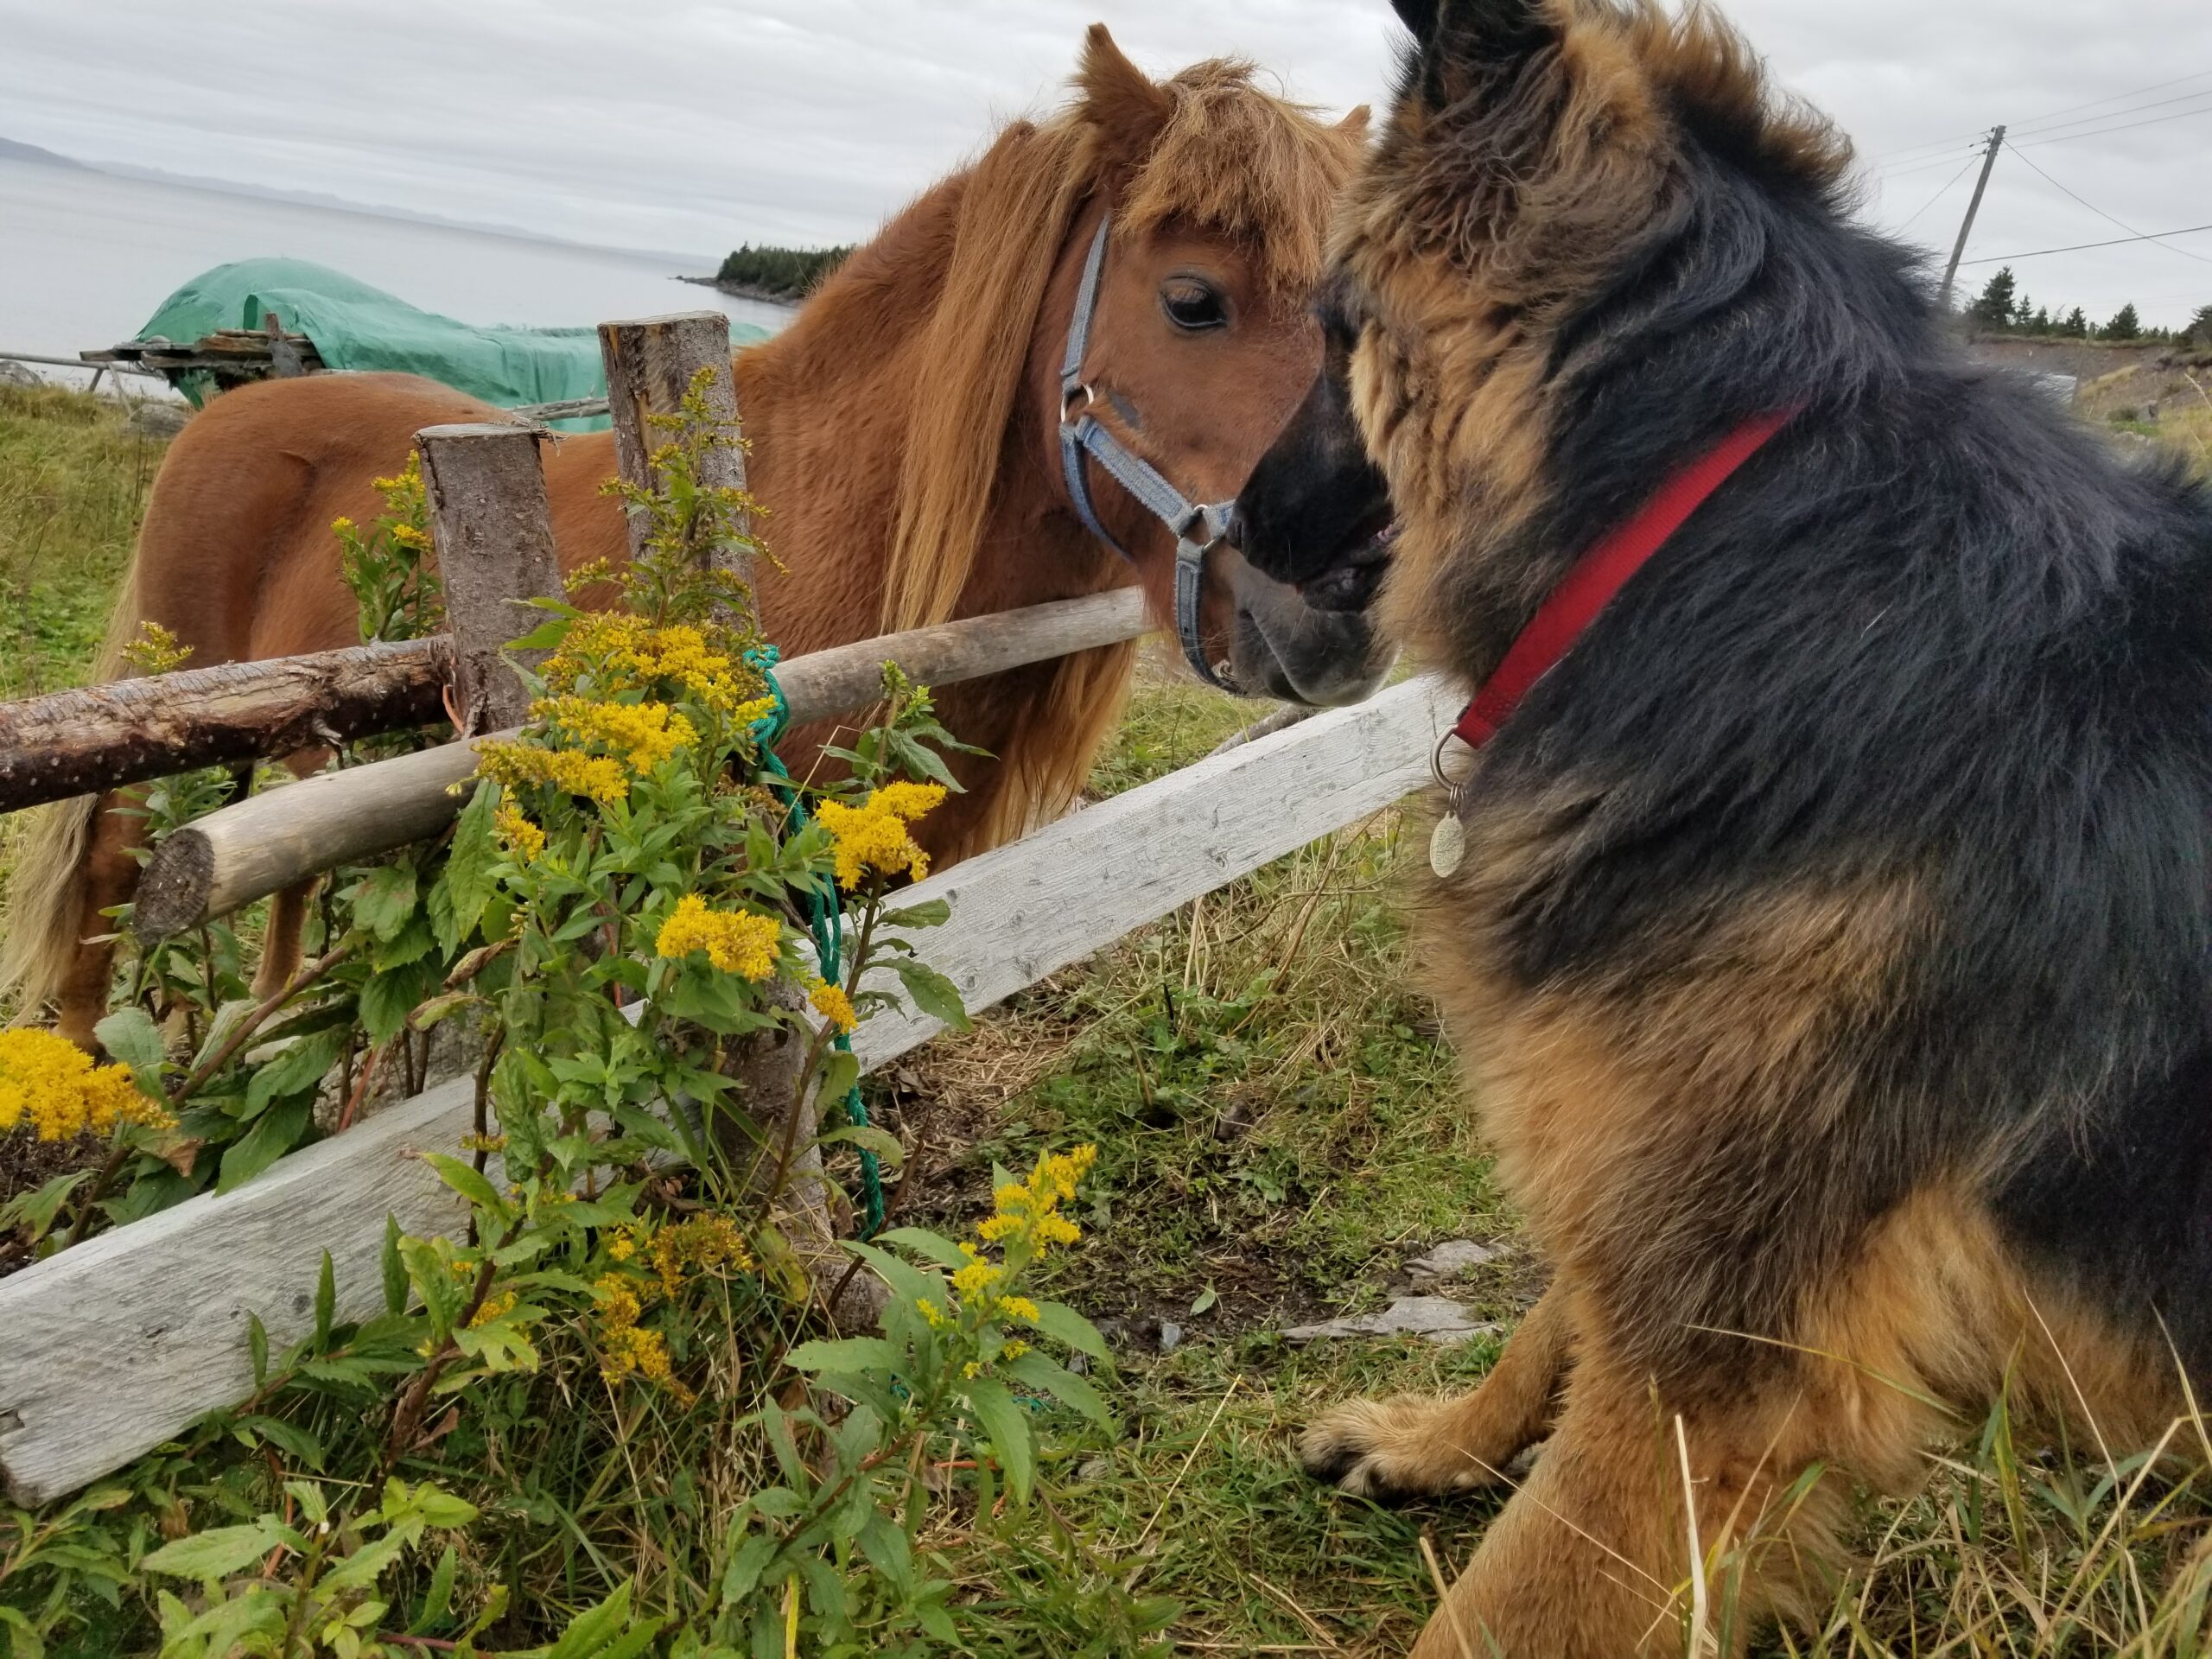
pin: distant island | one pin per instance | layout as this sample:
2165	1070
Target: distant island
10	151
784	276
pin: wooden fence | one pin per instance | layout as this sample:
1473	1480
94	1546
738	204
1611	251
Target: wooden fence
116	1345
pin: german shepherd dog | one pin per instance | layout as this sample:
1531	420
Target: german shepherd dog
1830	955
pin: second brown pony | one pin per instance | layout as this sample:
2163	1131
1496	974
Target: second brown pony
903	433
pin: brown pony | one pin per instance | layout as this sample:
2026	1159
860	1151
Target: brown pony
904	432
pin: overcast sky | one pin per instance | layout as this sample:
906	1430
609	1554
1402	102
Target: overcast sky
664	123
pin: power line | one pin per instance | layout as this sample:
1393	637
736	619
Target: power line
2154	86
1929	166
2038	253
2098	133
2115	98
2158	104
1937	197
2122	223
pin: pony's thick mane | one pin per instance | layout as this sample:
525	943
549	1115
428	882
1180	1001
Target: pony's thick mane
1221	155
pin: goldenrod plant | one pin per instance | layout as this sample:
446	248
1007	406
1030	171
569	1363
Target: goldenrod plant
633	898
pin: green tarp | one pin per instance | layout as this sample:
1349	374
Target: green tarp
356	326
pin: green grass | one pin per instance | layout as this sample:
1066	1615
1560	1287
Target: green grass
73	478
1279	1127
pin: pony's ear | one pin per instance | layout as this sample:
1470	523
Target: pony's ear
1354	125
1125	104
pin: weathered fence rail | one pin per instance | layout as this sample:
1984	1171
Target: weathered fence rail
263	845
118	1343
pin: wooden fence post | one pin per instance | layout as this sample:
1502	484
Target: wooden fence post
494	537
650	364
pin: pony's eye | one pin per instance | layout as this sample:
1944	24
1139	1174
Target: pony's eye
1191	305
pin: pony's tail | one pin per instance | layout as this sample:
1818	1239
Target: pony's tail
38	923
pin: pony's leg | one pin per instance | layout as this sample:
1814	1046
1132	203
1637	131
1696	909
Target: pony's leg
108	877
280	940
1408	1446
288	911
1591	1559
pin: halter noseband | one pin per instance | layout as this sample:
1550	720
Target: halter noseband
1197	527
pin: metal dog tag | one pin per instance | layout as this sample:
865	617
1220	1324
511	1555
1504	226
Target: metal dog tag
1448	844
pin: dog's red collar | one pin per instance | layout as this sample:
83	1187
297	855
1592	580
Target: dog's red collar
1600	573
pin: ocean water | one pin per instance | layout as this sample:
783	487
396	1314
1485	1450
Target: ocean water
85	258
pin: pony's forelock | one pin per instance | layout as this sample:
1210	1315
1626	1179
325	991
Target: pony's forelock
1207	149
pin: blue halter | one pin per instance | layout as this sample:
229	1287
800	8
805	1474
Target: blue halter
1197	527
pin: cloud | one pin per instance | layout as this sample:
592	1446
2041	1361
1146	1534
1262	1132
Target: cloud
697	125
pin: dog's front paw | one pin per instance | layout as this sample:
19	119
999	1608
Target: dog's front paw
1392	1449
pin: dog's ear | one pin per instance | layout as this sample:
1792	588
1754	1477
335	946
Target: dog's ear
1465	43
1419	16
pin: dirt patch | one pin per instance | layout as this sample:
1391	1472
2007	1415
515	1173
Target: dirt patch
28	1163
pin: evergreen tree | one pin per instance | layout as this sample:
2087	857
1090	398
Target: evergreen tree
2040	323
2124	325
1994	308
2076	324
2199	332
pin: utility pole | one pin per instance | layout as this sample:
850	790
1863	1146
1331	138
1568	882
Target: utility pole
1959	248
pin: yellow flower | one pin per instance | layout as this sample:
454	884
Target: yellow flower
408	536
1018	1307
737	942
512	764
1014	1349
343	525
644	734
524	839
872	835
156	650
933	1315
908	801
622	1247
976	1278
833	1005
494	1307
971	1371
50	1083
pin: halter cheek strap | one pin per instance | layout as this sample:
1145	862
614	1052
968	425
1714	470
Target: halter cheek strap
1197	527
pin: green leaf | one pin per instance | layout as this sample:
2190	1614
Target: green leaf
851	1356
131	1036
207	1556
308	1497
932	913
395	1271
1008	1427
388	998
23	1641
589	1632
303	1447
465	1180
1204	1299
939	1249
743	1575
298	1070
257	1344
275	1133
384	900
875	1139
933	993
1064	1324
438	1597
1033	1371
37	1208
326	1301
457	903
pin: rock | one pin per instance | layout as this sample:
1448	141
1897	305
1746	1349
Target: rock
1170	1337
1453	1256
1441	1320
18	374
158	418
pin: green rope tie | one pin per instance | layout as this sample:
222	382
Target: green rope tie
825	917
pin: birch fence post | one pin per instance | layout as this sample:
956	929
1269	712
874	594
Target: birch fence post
650	362
493	532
